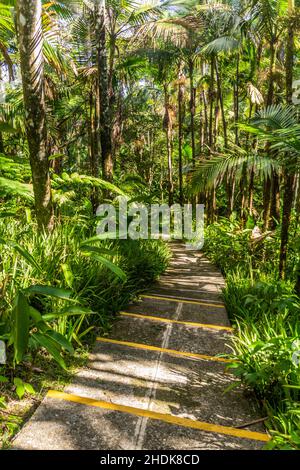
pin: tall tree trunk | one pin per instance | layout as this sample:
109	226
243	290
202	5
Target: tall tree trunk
230	182
117	124
236	100
275	200
168	128
94	143
289	55
267	201
243	189
230	191
205	110
270	94
112	52
251	190
220	95
180	133
211	102
212	205
286	219
192	109
1	143
289	177
103	81
29	22
268	183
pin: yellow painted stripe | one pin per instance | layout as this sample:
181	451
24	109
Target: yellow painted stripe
163	350
168	320
185	422
183	301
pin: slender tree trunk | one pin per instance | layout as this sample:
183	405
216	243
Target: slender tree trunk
29	21
180	133
168	128
267	201
230	190
192	109
94	144
268	183
205	110
201	129
236	99
211	102
297	202
251	190
275	200
1	143
289	55
286	219
112	52
219	85
212	205
216	121
270	94
230	180
289	177
117	125
103	81
243	189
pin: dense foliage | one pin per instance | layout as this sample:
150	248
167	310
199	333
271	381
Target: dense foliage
265	313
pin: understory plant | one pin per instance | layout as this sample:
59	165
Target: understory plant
57	288
265	313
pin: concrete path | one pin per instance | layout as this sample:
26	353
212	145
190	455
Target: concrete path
158	381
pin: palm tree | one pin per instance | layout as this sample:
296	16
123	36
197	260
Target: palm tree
279	126
103	84
29	21
164	62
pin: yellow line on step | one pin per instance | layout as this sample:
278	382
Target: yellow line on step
169	320
184	301
163	350
167	418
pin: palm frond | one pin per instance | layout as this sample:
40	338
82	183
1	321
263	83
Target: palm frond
9	188
222	44
212	172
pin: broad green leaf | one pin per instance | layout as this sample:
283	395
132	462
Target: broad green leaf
51	347
26	255
20	387
35	315
69	311
60	340
39	321
99	250
99	237
68	275
29	388
20	317
111	266
50	291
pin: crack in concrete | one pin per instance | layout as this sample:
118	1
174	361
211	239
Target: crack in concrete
140	429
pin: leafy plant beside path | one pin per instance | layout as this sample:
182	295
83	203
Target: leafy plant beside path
265	314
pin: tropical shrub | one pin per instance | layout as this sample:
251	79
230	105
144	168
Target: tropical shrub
265	313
